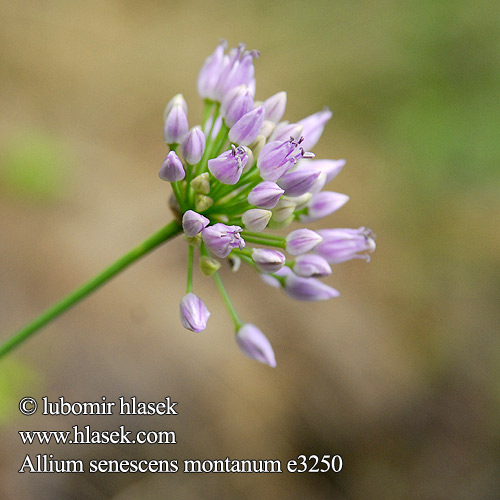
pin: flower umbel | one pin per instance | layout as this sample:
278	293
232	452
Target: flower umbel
242	174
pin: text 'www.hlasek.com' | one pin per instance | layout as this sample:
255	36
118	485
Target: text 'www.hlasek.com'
87	435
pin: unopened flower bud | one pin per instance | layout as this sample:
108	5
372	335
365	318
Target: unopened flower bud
246	129
265	195
268	261
193	223
301	201
302	241
238	102
311	266
202	202
172	169
228	166
341	245
308	289
254	344
285	130
257	145
193	145
194	240
250	159
276	280
299	182
209	265
267	128
210	72
323	204
237	70
201	183
281	224
177	100
176	122
256	219
275	107
330	168
221	239
194	313
283	210
313	127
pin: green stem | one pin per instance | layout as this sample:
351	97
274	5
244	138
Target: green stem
225	297
190	269
178	194
262	240
169	231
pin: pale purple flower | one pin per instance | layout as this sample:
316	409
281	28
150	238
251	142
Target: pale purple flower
275	107
277	157
274	278
176	122
194	313
193	223
221	239
265	195
237	103
313	126
246	129
237	70
177	100
267	260
308	289
299	182
311	266
193	145
256	219
302	241
341	245
330	168
210	72
323	204
172	169
283	211
285	130
254	344
228	166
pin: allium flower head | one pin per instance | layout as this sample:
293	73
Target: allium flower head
243	174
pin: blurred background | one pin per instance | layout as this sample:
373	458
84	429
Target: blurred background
400	375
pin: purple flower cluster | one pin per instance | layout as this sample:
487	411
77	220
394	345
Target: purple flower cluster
245	171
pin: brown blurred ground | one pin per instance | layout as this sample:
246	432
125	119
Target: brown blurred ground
399	375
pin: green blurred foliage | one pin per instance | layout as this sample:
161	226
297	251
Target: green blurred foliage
34	165
16	377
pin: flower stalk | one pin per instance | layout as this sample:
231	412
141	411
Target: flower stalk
165	234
